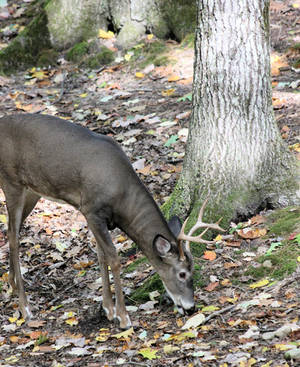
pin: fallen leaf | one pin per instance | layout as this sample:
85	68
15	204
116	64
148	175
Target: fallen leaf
149	353
209	255
72	321
194	321
168	92
252	233
259	284
211	308
139	75
125	334
211	286
173	78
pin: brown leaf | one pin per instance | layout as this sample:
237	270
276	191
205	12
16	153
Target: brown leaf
230	265
209	255
233	243
36	323
211	286
258	219
252	233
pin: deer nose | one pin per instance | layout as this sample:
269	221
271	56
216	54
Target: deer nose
190	311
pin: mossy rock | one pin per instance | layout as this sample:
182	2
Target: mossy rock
25	49
47	58
283	262
78	52
104	57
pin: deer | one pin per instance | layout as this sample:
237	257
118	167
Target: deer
46	156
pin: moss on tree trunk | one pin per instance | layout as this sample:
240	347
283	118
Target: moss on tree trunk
26	48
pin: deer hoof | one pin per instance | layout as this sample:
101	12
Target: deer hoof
125	322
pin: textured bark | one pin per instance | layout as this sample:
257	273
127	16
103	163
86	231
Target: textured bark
234	151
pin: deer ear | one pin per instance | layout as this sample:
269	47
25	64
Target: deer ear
175	225
161	245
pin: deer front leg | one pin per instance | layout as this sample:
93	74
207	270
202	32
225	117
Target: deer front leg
15	202
107	255
107	303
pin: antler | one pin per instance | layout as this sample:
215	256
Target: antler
199	224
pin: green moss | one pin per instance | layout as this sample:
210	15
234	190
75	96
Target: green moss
180	16
284	263
297	64
135	264
142	293
197	249
284	221
104	57
78	52
149	53
199	282
189	40
25	49
47	57
161	61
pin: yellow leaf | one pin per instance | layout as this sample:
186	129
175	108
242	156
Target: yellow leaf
149	36
168	92
183	336
127	57
298	259
72	321
3	218
139	75
259	284
83	95
20	321
173	78
39	74
283	346
106	35
268	364
125	334
210	308
12	319
218	238
103	335
296	6
149	353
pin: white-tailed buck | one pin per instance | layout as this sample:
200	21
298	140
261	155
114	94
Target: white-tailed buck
46	156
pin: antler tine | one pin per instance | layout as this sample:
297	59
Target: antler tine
199	224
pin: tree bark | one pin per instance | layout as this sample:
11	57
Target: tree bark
234	151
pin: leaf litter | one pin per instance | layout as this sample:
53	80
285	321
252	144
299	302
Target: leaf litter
240	321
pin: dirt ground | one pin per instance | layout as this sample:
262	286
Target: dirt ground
149	117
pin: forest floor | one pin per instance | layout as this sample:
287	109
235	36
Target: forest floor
247	286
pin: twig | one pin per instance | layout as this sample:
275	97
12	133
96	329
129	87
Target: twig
217	313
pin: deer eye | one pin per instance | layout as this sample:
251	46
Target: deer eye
182	275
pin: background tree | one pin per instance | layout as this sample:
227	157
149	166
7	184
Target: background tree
234	150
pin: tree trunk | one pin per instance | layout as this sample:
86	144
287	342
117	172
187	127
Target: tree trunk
234	151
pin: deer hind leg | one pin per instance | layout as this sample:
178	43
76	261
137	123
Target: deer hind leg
19	204
106	247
